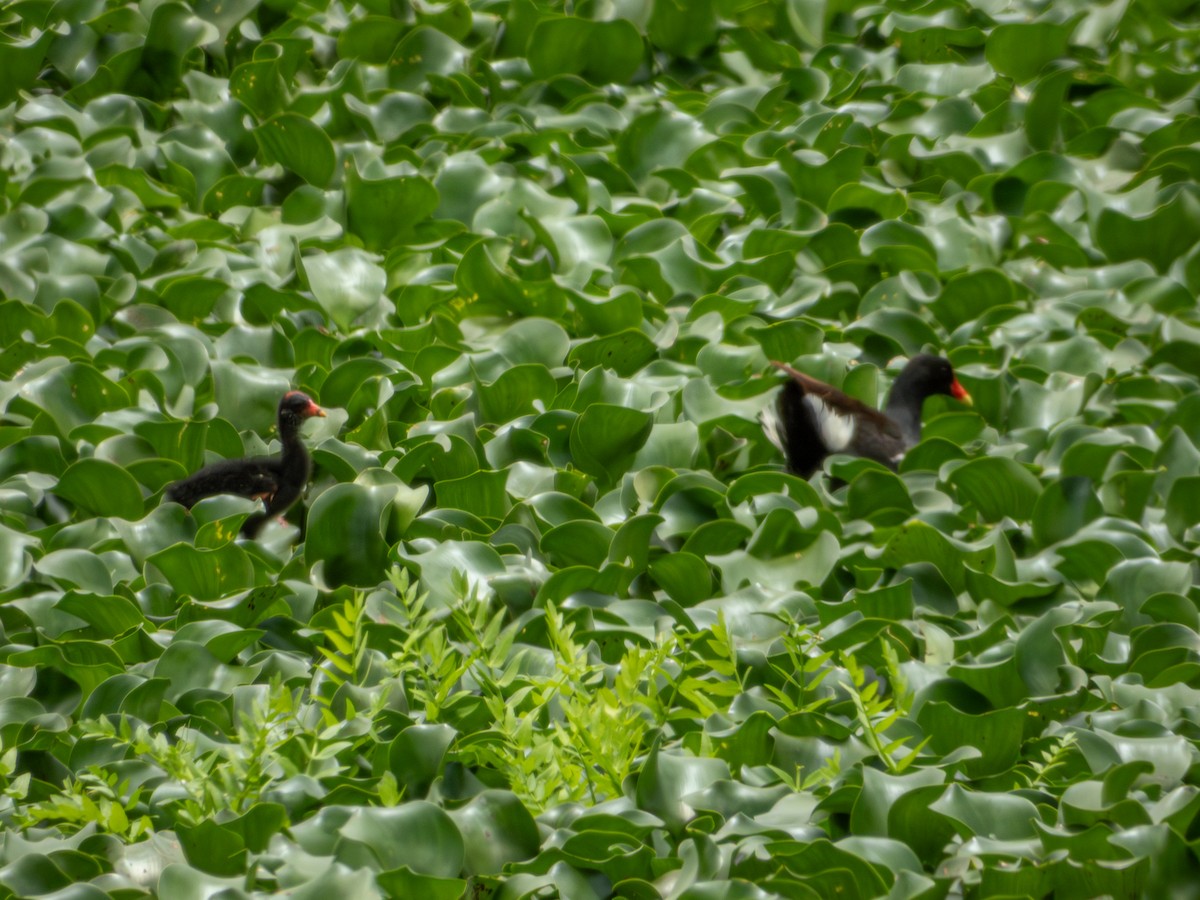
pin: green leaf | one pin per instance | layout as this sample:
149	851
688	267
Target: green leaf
1160	237
102	489
416	835
416	756
351	529
372	204
423	51
1183	505
970	295
666	778
482	494
77	568
299	145
997	815
919	542
372	39
346	282
1063	508
1022	49
997	487
497	830
601	52
684	577
683	29
20	64
519	390
605	438
625	352
204	574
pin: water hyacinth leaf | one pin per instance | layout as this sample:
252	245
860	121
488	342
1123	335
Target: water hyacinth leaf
109	615
1040	653
556	619
624	352
299	145
204	574
605	438
875	491
372	205
231	191
997	487
482	494
87	663
1044	111
484	275
883	205
1183	505
259	85
351	528
497	830
674	445
656	140
519	390
810	566
901	331
1063	508
416	835
449	564
984	586
999	816
577	543
190	667
1022	49
684	577
880	792
415	756
404	882
346	282
1160	237
370	38
666	779
919	542
74	394
77	568
213	849
682	30
424	51
601	52
20	63
996	734
970	295
534	341
101	488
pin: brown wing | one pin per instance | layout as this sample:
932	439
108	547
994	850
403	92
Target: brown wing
840	401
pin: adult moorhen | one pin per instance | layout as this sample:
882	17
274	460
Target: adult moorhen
813	419
277	480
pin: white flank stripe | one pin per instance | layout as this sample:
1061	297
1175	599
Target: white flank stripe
837	431
771	427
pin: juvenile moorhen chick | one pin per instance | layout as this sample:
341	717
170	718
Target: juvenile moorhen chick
277	480
813	419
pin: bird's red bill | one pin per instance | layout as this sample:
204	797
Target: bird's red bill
958	392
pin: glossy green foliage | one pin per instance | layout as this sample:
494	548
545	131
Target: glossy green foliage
551	619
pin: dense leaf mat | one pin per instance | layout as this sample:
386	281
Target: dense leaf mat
558	623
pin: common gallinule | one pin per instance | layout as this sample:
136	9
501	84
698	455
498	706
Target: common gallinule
276	480
813	419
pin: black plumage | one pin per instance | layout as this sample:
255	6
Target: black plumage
812	419
276	480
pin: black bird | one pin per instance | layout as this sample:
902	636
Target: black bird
812	419
277	480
